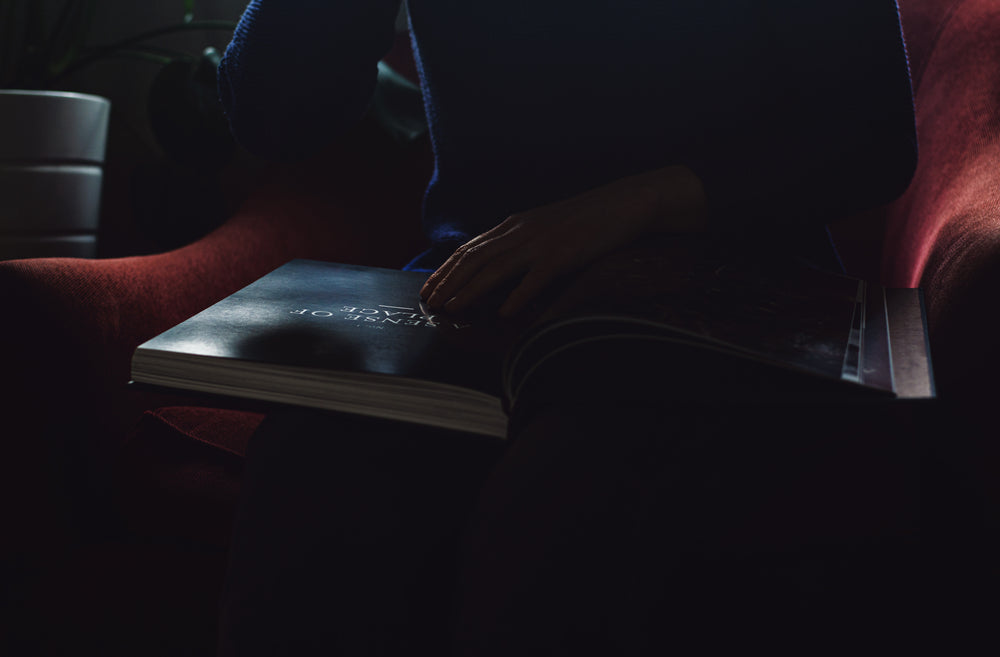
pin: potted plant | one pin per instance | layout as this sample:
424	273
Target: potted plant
52	141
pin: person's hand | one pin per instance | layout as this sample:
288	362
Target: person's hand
542	244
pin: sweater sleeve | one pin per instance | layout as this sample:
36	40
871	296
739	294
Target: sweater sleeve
834	132
299	73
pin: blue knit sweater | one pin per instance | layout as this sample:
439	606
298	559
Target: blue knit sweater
792	113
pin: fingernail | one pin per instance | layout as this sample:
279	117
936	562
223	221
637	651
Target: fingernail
453	303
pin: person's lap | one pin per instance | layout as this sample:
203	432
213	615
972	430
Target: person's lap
346	537
603	528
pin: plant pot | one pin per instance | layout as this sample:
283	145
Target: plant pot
52	146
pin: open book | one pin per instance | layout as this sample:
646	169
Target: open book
357	339
689	325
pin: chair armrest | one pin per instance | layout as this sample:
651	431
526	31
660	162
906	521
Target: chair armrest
70	326
944	233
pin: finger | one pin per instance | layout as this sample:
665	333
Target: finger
445	269
442	272
504	227
465	267
529	288
498	271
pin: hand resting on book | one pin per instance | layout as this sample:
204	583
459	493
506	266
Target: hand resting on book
545	243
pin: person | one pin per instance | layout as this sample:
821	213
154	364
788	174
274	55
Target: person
561	131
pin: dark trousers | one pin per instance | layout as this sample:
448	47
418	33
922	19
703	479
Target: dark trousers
625	531
347	535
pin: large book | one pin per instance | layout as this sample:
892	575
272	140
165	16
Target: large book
637	326
691	324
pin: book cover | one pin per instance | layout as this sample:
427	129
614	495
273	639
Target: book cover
338	337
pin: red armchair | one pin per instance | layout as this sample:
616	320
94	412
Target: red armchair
106	487
118	503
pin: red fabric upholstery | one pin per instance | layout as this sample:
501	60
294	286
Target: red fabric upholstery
83	318
179	474
80	457
944	234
